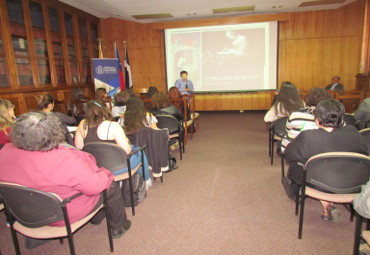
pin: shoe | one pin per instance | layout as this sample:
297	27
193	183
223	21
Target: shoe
148	184
119	232
326	216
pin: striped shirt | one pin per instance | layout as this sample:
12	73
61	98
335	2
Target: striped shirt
303	119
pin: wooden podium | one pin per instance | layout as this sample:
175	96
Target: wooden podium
363	82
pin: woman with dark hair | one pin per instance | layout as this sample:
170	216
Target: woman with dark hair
331	136
7	119
136	116
287	101
303	119
46	103
161	106
120	101
99	127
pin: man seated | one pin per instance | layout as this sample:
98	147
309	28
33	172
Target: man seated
35	159
335	84
331	136
363	113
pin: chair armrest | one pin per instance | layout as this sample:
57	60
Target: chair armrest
136	151
69	199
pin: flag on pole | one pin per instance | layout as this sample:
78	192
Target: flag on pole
100	51
120	73
128	77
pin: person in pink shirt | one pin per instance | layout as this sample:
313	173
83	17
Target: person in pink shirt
36	159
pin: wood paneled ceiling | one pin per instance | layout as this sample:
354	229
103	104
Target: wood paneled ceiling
146	11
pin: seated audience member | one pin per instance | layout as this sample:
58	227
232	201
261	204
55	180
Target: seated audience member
99	127
7	119
136	115
130	91
161	106
331	136
45	103
363	113
101	94
37	160
335	84
174	93
120	100
287	101
361	203
303	119
151	92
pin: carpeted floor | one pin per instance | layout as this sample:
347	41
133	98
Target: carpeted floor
225	198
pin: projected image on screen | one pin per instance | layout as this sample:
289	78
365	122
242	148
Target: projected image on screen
224	58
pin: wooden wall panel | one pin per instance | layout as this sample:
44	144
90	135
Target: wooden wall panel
313	47
303	62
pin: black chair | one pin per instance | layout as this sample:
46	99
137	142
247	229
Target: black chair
276	133
29	212
366	134
113	158
174	128
340	174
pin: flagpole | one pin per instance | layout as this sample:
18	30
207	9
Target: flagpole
125	45
100	49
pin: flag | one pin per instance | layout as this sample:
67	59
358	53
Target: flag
120	73
100	51
128	77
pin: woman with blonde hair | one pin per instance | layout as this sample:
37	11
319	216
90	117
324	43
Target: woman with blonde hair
7	119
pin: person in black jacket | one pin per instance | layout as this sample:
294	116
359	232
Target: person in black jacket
161	106
331	136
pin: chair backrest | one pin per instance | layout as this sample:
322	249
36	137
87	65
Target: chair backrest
107	155
279	126
338	172
366	134
169	122
31	208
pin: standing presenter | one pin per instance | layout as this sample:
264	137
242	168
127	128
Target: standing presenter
184	84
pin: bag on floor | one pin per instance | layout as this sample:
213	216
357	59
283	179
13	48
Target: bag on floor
291	188
138	187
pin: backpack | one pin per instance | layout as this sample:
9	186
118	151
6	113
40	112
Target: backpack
138	187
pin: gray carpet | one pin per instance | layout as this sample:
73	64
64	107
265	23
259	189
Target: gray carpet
225	198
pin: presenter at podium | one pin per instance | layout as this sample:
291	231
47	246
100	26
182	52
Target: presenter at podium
184	84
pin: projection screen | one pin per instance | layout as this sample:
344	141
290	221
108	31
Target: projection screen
224	58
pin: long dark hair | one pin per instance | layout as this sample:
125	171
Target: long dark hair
288	99
135	115
160	101
96	113
44	100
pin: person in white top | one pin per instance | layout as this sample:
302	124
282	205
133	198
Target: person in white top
287	101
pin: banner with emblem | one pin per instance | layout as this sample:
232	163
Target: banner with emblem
106	74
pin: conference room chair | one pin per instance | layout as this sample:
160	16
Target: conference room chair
29	211
187	123
114	158
340	174
174	128
276	133
361	234
191	107
366	134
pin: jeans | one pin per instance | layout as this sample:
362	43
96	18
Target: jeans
134	161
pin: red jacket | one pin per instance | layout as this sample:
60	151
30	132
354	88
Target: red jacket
64	171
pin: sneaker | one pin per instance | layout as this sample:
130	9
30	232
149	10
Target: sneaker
148	183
